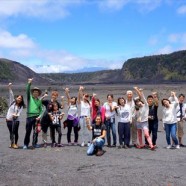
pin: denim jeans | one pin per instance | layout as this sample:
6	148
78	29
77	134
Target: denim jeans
98	144
111	125
171	129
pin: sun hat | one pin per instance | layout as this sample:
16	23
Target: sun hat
36	88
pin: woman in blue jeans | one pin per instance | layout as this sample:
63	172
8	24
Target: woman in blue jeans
110	112
170	119
98	135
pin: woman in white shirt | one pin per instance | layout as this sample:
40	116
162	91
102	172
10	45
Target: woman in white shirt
12	117
85	111
170	119
142	119
72	118
124	121
110	107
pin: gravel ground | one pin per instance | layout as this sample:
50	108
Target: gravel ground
70	165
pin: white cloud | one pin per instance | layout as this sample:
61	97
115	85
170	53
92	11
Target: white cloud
165	50
113	4
7	40
147	5
182	10
37	8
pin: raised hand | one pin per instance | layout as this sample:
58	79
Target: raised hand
30	80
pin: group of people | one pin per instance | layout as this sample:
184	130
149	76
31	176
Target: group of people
134	117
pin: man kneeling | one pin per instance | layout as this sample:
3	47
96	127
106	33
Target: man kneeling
98	136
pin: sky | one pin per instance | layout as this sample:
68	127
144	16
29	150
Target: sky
51	36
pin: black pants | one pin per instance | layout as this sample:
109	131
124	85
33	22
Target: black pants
13	127
153	128
70	126
124	133
31	123
58	129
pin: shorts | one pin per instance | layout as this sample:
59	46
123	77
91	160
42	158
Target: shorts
142	125
180	129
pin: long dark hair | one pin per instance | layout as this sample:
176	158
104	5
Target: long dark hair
21	104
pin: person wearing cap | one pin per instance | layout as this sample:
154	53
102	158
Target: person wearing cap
34	113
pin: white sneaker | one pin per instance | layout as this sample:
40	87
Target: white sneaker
88	144
168	147
177	147
83	144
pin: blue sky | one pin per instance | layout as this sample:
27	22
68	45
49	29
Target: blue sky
66	35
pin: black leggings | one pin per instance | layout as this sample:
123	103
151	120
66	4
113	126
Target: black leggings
13	127
69	126
58	129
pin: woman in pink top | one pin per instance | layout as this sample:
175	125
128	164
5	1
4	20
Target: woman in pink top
97	109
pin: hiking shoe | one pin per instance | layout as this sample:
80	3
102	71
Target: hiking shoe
177	147
99	152
25	147
168	147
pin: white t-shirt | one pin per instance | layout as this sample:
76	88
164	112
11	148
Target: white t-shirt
169	114
85	109
124	114
178	113
108	113
143	112
73	110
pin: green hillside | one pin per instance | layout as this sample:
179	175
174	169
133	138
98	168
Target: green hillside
171	67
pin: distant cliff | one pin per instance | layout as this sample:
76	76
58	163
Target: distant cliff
157	68
12	71
150	69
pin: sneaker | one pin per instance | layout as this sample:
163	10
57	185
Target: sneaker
60	145
15	146
88	144
83	144
53	145
45	145
177	147
168	147
120	146
125	146
181	145
25	147
36	146
114	145
75	143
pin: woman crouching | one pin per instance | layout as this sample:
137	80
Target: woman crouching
98	136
